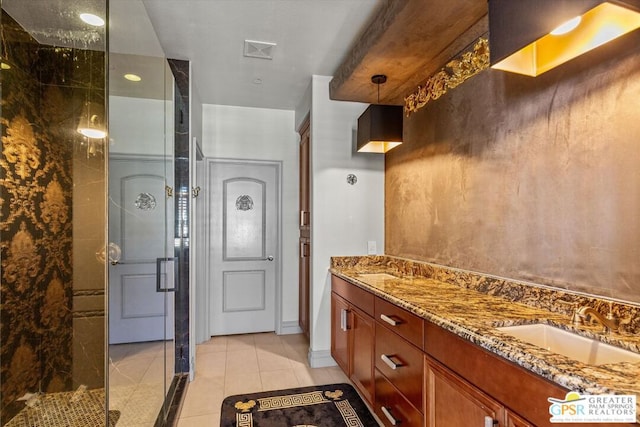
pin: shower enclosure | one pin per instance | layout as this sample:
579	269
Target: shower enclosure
88	239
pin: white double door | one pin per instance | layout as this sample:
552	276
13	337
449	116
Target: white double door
243	246
141	275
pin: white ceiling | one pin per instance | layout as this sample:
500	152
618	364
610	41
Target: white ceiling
311	36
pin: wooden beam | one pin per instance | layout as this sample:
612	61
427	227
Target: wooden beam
408	41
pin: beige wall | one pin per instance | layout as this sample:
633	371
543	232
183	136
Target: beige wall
533	179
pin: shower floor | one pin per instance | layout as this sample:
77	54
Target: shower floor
80	408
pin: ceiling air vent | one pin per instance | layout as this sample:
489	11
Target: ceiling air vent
255	49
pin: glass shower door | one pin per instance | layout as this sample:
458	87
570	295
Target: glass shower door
142	272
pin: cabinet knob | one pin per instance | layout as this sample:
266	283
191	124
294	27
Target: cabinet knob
390	320
490	422
390	363
344	319
390	417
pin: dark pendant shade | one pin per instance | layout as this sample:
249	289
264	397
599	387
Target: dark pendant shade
380	128
533	36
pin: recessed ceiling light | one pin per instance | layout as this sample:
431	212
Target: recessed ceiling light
92	19
257	81
132	77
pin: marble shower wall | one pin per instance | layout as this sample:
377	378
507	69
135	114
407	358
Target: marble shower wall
41	200
534	179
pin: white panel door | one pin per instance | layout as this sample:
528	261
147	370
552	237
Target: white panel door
243	246
140	297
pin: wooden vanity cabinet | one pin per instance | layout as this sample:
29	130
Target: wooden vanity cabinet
439	379
339	333
392	408
453	402
352	334
513	420
522	394
399	365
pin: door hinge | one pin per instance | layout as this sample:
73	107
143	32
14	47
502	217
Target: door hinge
168	191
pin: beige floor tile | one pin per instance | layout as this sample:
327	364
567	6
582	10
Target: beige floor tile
129	371
240	342
204	396
272	348
148	349
337	375
266	338
248	363
142	406
211	364
298	353
118	352
293	339
119	395
155	372
210	420
242	361
215	344
278	380
242	382
273	362
308	376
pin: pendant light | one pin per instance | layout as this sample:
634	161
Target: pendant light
380	126
531	37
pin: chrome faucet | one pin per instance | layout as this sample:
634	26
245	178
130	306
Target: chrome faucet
609	322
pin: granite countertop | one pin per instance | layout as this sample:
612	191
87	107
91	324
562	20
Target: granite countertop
474	316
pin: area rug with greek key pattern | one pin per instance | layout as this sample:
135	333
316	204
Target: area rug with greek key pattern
330	405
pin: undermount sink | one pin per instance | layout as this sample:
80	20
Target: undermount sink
571	345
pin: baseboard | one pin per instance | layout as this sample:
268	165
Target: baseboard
289	327
321	359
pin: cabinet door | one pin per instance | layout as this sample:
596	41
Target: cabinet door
514	420
401	363
340	332
303	291
362	341
453	402
392	408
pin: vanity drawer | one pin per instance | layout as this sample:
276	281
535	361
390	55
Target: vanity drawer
399	320
355	295
392	408
401	363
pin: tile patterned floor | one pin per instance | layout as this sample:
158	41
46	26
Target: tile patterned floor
136	381
248	363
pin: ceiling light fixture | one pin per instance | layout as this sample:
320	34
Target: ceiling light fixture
380	126
132	77
92	19
531	37
91	123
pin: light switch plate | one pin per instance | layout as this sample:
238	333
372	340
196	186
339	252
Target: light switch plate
371	247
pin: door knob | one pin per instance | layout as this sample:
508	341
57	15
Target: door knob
112	252
269	258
